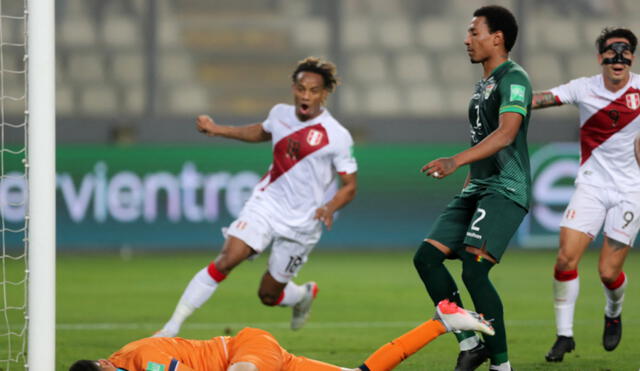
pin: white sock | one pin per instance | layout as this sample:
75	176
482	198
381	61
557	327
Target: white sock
199	290
614	298
292	294
469	343
501	367
565	294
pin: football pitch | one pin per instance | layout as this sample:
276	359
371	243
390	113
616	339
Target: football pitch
366	299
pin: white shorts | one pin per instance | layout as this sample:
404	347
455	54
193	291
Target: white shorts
591	206
287	255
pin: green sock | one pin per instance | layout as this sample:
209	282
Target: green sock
462	335
428	261
486	300
500	358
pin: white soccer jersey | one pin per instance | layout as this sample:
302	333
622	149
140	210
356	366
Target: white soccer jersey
609	123
306	157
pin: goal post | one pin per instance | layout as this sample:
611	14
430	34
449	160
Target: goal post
41	238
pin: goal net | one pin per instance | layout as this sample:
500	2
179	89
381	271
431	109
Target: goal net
27	185
13	185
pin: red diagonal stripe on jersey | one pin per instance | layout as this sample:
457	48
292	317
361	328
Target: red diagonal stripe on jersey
599	127
295	147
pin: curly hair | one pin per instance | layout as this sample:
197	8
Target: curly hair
500	19
323	68
611	32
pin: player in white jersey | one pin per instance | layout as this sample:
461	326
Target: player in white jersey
287	208
607	184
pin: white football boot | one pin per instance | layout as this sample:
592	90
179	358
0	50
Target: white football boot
302	309
458	319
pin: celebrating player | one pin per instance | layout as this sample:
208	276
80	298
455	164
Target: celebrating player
286	209
607	185
477	225
253	349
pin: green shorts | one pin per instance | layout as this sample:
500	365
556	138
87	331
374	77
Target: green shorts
486	220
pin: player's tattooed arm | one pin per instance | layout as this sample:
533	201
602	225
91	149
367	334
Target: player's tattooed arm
542	99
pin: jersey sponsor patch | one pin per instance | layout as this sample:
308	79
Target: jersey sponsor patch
517	93
474	235
152	366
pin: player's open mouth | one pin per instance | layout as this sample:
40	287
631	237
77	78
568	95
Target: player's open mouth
304	109
618	68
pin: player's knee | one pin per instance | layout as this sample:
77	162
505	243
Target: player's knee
221	265
474	271
566	262
469	276
608	275
268	298
427	256
472	278
419	258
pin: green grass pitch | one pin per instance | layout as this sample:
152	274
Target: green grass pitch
366	298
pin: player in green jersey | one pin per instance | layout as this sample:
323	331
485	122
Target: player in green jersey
477	225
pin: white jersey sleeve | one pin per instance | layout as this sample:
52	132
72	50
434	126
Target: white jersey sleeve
570	93
343	161
267	125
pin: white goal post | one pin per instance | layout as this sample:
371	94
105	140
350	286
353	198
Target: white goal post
41	238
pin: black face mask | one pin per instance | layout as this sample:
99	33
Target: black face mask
618	48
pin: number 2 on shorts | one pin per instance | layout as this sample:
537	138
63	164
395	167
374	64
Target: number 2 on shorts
482	213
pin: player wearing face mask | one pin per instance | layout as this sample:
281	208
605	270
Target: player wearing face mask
607	184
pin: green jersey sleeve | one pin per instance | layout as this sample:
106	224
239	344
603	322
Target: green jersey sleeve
515	93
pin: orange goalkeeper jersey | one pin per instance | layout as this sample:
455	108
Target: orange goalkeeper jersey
176	354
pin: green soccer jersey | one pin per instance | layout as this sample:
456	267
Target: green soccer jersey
507	89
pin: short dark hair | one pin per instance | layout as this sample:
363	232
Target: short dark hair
611	32
323	68
500	19
84	365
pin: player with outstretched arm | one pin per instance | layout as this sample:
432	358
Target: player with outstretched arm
287	208
607	185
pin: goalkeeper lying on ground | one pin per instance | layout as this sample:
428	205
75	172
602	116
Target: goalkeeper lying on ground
257	350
